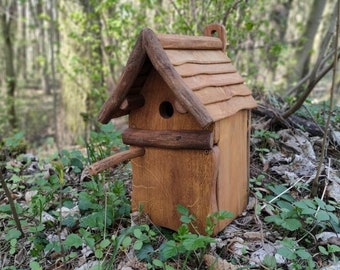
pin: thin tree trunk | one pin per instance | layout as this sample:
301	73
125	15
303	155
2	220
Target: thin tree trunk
304	52
10	77
52	62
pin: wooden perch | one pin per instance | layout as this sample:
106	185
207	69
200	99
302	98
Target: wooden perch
114	160
185	139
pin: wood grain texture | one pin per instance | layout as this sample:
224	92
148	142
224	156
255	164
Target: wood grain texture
214	80
189	69
180	57
232	185
210	95
189	42
132	102
156	91
170	139
227	108
114	160
164	178
162	64
130	73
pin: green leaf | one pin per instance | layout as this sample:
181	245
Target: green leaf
104	243
126	242
157	263
35	266
303	254
322	216
138	245
182	210
185	219
12	234
269	261
291	224
137	233
286	253
73	240
98	253
333	248
145	253
170	250
323	250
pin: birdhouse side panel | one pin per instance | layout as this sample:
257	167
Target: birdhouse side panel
164	178
161	111
232	183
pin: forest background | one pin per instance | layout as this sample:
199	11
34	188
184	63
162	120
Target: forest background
61	58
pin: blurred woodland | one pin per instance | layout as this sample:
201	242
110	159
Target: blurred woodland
61	58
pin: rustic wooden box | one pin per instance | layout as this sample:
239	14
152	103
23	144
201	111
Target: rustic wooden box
189	121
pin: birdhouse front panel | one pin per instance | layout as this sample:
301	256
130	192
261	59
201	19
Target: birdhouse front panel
160	110
189	112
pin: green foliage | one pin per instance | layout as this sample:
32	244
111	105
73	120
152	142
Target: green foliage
191	245
299	256
102	143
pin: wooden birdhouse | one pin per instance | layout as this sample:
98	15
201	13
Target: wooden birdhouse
189	122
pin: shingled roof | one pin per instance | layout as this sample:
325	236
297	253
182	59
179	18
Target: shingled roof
196	69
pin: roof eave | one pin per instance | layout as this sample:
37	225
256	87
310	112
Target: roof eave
184	94
130	73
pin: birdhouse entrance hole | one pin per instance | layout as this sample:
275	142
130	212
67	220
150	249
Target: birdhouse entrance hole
166	109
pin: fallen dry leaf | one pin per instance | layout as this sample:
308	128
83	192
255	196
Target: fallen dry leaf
215	263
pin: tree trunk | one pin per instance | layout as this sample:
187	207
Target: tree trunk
303	54
10	77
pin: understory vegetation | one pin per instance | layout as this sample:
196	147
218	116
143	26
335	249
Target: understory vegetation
55	216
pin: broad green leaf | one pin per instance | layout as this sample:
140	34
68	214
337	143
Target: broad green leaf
170	250
322	216
12	234
182	210
35	266
127	242
333	248
157	263
73	240
145	253
323	250
98	253
138	245
269	261
137	233
291	224
286	253
303	254
104	243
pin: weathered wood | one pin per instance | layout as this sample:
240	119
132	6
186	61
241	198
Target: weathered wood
180	57
210	95
179	107
155	92
227	108
189	42
170	139
189	69
219	29
162	64
114	160
132	68
163	178
202	81
132	102
232	184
